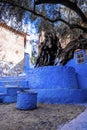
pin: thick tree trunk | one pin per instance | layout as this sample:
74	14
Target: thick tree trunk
68	51
51	50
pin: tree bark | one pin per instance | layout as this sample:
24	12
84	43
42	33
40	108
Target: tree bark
57	52
68	51
49	50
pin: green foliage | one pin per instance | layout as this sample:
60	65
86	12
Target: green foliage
43	16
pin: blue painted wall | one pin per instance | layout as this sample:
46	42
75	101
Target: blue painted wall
26	62
60	84
20	81
82	81
50	77
60	96
81	70
9	93
54	84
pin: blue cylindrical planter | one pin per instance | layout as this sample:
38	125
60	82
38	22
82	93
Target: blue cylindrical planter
26	100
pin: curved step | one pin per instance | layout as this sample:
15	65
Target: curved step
57	96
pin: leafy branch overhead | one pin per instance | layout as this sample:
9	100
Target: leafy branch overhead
58	15
70	4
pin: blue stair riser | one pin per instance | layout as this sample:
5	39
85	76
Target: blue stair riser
60	96
3	90
9	99
13	82
2	97
10	90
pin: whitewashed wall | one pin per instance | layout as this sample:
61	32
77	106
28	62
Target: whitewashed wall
11	52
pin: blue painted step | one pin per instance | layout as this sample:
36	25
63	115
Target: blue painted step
9	93
16	80
57	96
3	90
1	97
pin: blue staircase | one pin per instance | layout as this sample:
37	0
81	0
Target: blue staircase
8	94
9	87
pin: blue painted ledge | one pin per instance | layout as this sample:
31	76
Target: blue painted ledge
82	81
61	96
9	94
20	81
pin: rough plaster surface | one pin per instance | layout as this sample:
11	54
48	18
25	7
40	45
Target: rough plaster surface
57	84
81	70
26	100
9	94
11	52
9	87
20	81
82	81
55	96
52	77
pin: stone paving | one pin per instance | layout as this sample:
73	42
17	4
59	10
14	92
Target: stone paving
79	123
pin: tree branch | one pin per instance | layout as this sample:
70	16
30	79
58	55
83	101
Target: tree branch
72	26
25	8
72	5
79	27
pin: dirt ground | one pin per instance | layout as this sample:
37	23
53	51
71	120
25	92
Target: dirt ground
45	117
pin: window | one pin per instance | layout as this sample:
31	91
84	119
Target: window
80	58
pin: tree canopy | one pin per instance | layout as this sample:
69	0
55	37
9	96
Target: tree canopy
72	13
